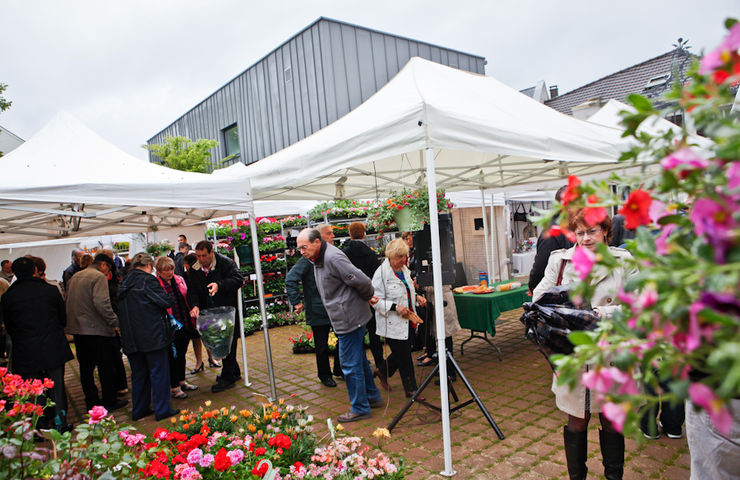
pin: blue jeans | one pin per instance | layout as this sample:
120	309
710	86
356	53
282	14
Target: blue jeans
357	374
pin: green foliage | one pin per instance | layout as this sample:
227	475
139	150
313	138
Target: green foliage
181	153
4	104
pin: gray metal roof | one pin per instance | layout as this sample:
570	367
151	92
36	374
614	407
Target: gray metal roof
633	79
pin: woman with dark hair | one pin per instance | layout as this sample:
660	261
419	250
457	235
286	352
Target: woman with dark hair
176	288
578	403
188	261
146	336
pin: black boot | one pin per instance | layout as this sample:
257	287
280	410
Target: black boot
576	449
612	452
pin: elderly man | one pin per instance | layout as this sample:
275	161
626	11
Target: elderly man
345	292
92	321
213	281
73	267
182	250
6	271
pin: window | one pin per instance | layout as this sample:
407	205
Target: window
658	81
288	75
231	140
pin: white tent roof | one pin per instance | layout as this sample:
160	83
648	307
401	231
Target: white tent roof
484	133
66	180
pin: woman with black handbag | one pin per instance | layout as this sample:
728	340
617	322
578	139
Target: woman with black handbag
578	403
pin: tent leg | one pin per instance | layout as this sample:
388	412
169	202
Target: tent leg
494	236
439	312
507	225
485	235
261	295
240	313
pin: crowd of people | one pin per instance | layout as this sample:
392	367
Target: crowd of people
109	308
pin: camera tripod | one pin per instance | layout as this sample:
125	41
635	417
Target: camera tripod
428	380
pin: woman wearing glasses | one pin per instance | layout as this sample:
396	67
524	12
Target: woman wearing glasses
578	403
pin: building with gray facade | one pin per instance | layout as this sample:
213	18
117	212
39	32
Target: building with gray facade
308	82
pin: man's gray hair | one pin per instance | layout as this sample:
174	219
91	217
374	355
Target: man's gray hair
322	226
314	234
142	259
75	252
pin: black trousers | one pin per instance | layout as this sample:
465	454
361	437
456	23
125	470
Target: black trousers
57	394
177	358
97	351
376	346
400	359
231	372
150	372
321	340
121	381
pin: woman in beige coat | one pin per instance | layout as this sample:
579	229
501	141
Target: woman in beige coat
578	403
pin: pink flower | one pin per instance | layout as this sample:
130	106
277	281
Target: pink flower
714	221
616	413
583	261
733	175
195	456
97	413
686	158
599	380
704	397
661	241
206	461
627	385
722	54
236	456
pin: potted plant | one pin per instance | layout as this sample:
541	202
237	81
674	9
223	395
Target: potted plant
157	249
405	211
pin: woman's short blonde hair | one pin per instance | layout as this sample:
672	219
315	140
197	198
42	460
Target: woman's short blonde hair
164	263
397	248
141	259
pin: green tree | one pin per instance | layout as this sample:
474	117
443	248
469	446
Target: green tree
181	153
4	104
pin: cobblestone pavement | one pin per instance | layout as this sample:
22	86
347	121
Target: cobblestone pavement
516	391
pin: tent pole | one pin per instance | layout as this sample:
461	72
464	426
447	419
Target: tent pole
240	313
485	236
261	296
507	226
493	229
439	313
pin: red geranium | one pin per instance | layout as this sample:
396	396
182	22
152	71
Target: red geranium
594	215
259	451
636	210
571	191
221	462
260	469
281	441
557	230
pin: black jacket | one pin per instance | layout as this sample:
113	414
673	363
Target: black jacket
362	257
225	273
545	246
180	264
68	273
34	316
142	313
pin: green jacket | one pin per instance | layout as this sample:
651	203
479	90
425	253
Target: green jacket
302	272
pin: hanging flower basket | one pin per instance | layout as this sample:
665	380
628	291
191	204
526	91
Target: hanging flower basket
408	220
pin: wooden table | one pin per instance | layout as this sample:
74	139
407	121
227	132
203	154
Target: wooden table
478	312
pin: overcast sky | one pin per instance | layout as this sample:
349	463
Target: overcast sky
128	68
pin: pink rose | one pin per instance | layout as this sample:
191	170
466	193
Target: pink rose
97	413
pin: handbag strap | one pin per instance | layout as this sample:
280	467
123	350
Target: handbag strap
563	263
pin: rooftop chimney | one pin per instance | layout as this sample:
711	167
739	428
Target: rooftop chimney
553	91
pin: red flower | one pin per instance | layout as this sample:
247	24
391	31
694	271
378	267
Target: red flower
260	469
571	191
637	209
556	230
594	215
259	451
221	462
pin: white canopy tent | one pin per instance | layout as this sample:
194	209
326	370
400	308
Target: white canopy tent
445	128
67	181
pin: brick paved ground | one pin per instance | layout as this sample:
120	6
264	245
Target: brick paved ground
516	391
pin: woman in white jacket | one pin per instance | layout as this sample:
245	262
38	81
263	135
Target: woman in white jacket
578	403
397	298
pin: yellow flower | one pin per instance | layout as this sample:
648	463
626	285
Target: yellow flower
245	413
208	403
339	427
381	433
281	401
183	412
174	420
224	411
234	418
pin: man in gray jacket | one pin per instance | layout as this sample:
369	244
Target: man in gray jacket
347	294
90	318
